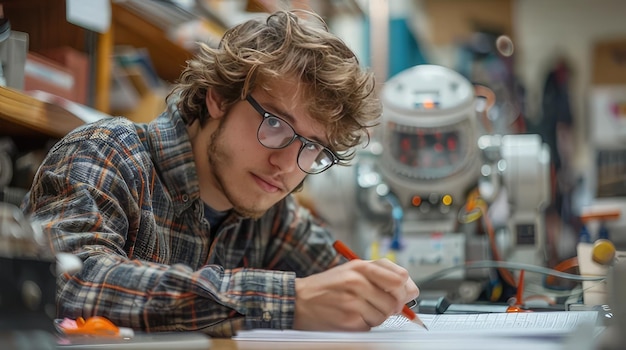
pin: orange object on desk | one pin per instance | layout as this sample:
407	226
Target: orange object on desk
93	326
519	295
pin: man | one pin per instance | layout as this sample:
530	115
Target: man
187	223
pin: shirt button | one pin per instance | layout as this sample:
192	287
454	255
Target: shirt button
267	316
185	198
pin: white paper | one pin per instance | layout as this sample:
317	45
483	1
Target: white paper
447	327
90	14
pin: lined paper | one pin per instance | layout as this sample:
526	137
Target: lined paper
541	325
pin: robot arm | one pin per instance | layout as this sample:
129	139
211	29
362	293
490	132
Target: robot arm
515	181
526	176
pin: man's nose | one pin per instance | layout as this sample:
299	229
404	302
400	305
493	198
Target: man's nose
286	159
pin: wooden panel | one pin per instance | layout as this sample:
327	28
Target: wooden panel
453	21
45	22
103	71
609	62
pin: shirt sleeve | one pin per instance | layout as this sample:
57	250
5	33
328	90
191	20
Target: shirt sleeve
301	242
84	198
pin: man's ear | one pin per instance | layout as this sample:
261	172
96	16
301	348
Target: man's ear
214	104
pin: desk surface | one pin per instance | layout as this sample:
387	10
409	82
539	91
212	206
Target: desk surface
508	344
229	344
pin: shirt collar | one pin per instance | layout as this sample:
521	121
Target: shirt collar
173	156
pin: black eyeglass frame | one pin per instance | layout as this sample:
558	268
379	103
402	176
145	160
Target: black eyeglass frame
305	141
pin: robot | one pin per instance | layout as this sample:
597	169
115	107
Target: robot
408	196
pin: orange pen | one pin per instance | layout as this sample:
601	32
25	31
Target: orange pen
519	302
347	253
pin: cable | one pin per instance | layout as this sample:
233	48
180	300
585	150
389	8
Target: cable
565	265
476	207
485	264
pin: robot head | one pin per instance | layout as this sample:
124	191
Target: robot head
430	135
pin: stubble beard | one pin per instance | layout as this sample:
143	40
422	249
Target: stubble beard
219	159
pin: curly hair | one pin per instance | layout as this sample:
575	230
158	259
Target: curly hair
339	92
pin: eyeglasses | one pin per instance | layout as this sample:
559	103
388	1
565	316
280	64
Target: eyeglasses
276	133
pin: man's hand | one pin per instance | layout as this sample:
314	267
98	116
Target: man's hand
355	296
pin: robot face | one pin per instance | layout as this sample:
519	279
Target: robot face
429	141
428	153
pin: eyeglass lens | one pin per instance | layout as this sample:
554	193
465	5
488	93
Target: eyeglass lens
276	133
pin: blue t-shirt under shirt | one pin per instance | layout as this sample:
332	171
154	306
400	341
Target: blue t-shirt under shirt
215	217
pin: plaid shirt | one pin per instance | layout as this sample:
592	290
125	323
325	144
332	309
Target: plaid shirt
124	198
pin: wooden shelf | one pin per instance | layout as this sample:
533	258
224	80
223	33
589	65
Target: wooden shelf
23	115
130	28
149	107
45	22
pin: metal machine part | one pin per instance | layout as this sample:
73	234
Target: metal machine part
7	150
27	298
28	271
526	176
517	166
614	337
13	50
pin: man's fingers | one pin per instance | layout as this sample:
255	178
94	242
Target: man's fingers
386	275
381	284
390	265
373	316
353	296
